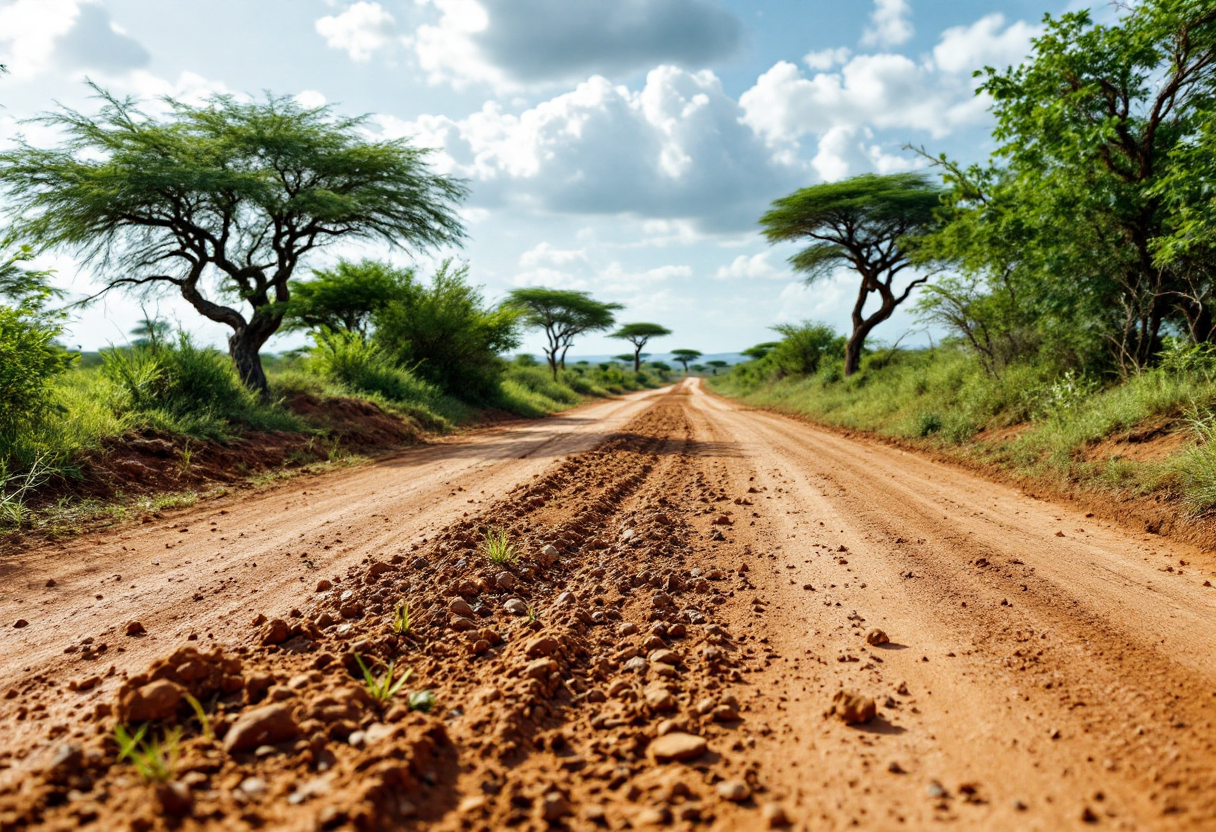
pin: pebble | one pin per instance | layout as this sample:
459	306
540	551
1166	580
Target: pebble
659	698
775	815
21	622
554	806
253	786
267	724
664	657
566	599
50	582
175	799
676	745
876	637
735	791
550	551
505	580
852	707
461	607
324	585
154	701
515	607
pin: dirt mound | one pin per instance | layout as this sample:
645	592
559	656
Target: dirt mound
568	668
355	424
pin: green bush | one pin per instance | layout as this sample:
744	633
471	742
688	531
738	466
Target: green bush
29	360
359	364
184	388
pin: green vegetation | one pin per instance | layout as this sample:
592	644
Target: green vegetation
685	357
562	316
497	548
385	687
221	201
401	618
154	759
1074	273
868	223
639	335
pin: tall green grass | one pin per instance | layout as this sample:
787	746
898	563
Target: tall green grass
1030	420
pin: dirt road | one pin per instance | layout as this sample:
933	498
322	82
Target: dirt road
697	581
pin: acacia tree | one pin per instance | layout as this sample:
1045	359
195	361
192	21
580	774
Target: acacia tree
685	357
868	223
638	335
347	297
222	201
717	364
563	315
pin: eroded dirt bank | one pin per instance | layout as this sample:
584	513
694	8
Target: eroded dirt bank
697	582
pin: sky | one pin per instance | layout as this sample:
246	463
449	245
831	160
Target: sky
622	147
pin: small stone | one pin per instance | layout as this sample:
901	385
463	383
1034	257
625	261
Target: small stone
736	791
324	585
175	799
515	607
659	698
723	520
550	551
566	599
726	713
554	806
775	815
50	582
895	768
505	580
154	701
479	647
852	707
459	606
253	786
276	632
267	724
1088	815
627	628
664	657
1019	806
676	746
20	622
935	790
542	646
877	637
461	624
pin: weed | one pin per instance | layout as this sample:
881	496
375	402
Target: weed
155	760
183	467
498	548
401	619
531	614
203	720
15	487
384	687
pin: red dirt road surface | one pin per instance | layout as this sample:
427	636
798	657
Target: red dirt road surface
686	640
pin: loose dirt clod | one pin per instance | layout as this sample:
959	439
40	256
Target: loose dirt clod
676	746
852	708
877	637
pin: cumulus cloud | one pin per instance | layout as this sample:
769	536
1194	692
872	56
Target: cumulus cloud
675	149
755	267
889	24
361	30
28	31
545	254
827	58
503	44
987	42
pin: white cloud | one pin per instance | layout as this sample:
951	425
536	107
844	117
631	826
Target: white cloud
983	43
28	31
674	149
510	45
848	151
825	59
310	99
889	24
361	30
545	254
755	267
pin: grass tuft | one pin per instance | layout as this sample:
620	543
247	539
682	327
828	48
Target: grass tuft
497	547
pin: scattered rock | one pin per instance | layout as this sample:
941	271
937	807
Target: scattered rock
324	585
676	745
151	702
515	607
723	520
852	708
775	816
542	646
936	790
664	657
659	698
736	791
260	726
554	806
21	622
505	580
275	632
877	637
50	582
175	799
550	552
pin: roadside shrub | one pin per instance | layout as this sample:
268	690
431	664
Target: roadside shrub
803	347
183	387
29	360
352	360
928	424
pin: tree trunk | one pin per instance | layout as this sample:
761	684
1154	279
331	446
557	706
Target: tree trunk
245	344
637	360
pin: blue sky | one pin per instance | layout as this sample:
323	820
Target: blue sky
624	147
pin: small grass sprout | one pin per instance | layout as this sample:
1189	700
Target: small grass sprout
155	760
498	548
401	618
203	720
531	614
383	687
421	700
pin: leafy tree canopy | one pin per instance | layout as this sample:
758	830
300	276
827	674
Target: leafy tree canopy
222	201
562	315
870	224
639	335
346	297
